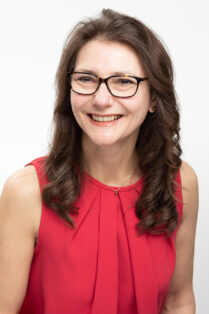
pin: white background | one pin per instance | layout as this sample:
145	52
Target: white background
32	35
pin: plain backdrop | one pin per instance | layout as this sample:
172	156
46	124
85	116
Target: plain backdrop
32	35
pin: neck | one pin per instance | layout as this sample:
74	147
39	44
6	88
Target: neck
111	165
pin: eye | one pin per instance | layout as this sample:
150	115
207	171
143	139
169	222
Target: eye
125	81
85	78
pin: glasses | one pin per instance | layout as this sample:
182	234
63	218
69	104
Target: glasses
121	86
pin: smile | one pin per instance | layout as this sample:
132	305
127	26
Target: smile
104	121
104	118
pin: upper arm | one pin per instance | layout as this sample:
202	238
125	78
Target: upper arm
181	288
17	232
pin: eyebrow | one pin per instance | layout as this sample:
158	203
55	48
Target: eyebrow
114	73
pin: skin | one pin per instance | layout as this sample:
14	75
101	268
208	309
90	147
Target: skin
107	147
21	204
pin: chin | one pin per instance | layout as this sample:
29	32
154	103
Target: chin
102	141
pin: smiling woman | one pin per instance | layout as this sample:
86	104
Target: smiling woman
127	108
105	223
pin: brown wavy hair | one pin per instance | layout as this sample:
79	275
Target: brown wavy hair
157	145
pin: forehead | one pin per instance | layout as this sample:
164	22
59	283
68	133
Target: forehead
105	57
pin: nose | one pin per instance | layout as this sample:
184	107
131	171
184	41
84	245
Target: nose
102	97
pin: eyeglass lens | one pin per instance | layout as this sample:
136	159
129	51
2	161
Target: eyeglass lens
118	85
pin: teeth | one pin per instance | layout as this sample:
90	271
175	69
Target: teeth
109	118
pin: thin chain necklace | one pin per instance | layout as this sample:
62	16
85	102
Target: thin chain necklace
116	190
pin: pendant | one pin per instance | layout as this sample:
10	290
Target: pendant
116	193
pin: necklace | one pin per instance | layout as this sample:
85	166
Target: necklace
116	190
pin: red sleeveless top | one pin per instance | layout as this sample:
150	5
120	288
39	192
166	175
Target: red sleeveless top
102	266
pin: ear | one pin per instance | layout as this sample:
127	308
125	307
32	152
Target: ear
153	104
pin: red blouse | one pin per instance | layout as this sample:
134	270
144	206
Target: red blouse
102	266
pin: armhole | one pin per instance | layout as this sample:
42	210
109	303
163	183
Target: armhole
37	165
179	197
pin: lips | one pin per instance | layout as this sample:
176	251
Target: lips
104	120
112	116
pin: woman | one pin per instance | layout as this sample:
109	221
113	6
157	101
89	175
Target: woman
112	227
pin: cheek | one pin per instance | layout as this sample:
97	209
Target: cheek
139	108
140	103
74	101
76	104
138	111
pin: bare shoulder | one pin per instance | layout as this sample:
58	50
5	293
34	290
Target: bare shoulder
181	288
20	211
24	179
189	188
22	174
21	196
188	174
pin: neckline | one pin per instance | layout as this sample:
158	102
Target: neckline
111	188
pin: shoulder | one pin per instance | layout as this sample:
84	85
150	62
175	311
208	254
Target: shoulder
181	287
189	182
20	208
188	174
21	197
22	184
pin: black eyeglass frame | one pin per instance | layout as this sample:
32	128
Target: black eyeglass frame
105	80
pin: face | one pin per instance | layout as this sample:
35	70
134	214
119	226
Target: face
104	59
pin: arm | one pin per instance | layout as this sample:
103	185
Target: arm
181	298
18	220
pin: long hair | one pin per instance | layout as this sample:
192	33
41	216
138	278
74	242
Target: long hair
157	145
